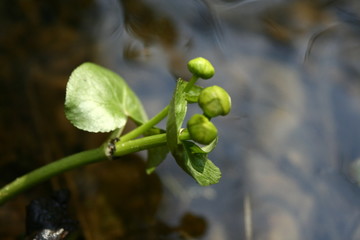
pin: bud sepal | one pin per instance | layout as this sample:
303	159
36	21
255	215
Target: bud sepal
201	68
201	130
214	101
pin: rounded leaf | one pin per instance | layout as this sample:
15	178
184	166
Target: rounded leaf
99	100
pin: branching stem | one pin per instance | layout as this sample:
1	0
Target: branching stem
146	126
156	119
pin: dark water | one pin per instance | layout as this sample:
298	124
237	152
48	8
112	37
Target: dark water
288	152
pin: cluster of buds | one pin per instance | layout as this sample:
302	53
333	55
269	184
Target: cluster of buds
214	101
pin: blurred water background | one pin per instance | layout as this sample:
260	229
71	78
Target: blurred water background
289	151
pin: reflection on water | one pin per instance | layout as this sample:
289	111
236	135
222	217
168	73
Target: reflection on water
288	150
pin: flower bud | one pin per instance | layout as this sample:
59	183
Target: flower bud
201	130
201	68
214	101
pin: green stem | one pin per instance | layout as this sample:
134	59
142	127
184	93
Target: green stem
191	83
79	159
43	173
184	135
146	126
123	148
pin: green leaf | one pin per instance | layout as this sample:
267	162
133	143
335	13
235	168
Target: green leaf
196	163
176	115
156	155
193	95
208	148
187	154
99	100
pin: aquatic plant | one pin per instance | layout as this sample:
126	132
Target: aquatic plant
99	100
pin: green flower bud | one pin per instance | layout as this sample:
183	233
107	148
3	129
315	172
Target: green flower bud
201	68
214	101
201	130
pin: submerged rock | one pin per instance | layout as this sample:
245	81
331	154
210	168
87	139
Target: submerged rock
48	219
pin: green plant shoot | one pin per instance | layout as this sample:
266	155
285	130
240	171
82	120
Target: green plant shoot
99	100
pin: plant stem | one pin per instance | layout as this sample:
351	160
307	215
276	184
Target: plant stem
43	173
76	160
123	148
191	83
146	126
184	135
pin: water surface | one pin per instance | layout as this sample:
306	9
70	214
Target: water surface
286	151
